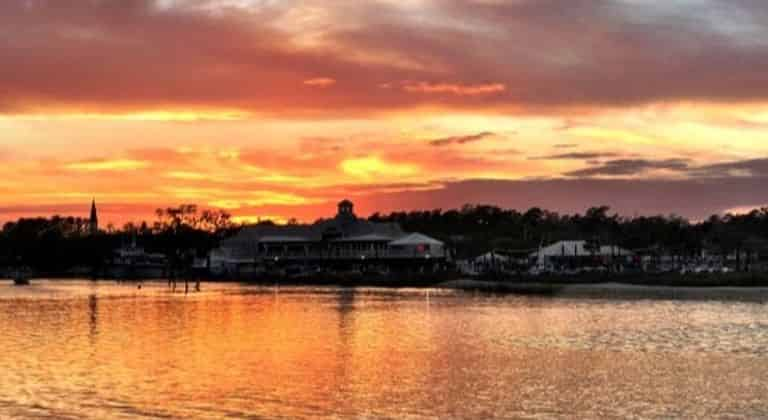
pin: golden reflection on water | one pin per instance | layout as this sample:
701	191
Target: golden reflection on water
88	350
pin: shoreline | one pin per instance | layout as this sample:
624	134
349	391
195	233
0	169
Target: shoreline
615	289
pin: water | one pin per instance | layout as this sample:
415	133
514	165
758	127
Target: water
86	350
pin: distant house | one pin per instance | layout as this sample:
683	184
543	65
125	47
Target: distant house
577	250
344	238
416	245
134	262
491	258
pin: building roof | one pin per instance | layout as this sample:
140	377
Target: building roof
578	249
343	227
348	227
371	237
251	234
415	239
284	238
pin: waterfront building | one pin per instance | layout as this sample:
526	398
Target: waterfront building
578	253
342	240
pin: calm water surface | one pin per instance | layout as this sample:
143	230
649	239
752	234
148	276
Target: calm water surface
86	350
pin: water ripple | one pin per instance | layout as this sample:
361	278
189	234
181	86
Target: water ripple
95	350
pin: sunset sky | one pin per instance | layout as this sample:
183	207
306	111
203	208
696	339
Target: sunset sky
280	108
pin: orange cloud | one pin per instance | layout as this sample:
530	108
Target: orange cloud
370	167
455	89
107	165
253	219
320	82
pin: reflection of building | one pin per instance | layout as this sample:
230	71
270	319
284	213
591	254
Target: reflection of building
344	238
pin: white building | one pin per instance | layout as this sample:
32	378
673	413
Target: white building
416	245
577	249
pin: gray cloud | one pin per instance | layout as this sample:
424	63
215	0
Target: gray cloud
557	54
748	168
577	156
692	198
447	141
628	167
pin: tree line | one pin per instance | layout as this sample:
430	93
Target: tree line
60	243
185	232
477	228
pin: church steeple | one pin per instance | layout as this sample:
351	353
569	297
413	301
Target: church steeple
93	222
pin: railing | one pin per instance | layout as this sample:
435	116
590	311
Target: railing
349	254
327	254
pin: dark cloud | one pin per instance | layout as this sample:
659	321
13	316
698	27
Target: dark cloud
447	141
692	198
577	156
629	167
743	168
133	54
598	52
120	55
